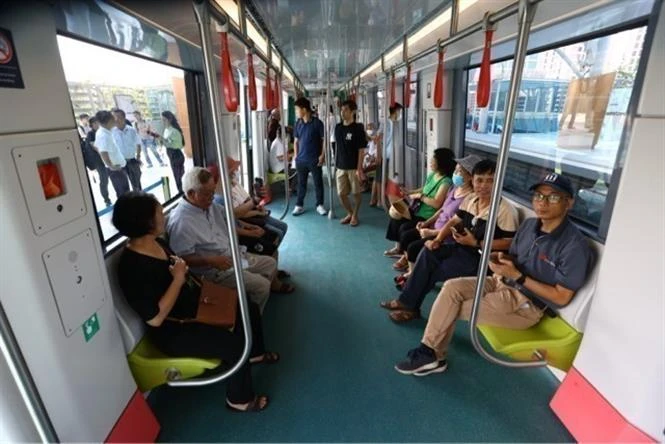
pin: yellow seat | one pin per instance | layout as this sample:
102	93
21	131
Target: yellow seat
552	338
152	368
275	177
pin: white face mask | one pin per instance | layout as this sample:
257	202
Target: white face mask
370	133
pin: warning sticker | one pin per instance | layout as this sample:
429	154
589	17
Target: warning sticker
10	73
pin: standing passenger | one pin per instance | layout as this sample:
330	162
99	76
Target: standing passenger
309	154
111	154
351	145
147	140
129	143
174	141
97	161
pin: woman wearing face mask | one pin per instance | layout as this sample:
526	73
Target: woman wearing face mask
415	239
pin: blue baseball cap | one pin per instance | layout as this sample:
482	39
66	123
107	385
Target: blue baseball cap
556	181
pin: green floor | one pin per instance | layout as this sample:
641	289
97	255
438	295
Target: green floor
336	380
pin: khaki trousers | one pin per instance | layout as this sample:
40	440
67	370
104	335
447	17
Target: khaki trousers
258	277
502	306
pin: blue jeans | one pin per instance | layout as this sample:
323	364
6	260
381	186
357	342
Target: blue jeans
277	226
150	143
448	262
303	171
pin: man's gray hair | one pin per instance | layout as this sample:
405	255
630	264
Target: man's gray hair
194	179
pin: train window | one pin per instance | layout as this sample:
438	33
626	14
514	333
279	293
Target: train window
149	94
570	116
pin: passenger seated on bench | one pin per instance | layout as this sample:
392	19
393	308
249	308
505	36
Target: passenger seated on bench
197	232
414	240
440	262
549	261
247	208
154	282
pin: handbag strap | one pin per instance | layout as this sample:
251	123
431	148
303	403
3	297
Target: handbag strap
436	186
191	279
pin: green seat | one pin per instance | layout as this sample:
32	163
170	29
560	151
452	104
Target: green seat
275	177
552	339
152	368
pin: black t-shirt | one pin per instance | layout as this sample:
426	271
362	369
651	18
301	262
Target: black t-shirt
144	280
349	140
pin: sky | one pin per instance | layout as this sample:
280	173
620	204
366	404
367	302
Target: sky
84	62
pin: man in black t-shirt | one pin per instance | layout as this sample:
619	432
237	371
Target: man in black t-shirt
351	143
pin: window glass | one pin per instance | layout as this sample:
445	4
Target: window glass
100	79
570	115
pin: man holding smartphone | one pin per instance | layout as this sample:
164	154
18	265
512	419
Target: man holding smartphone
549	261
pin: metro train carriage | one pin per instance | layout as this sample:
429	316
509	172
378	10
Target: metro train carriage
171	273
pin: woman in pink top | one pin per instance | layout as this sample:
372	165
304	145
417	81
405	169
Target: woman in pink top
461	188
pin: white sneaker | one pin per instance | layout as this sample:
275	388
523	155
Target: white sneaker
297	211
321	210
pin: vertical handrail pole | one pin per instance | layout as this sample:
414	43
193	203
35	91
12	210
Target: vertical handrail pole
328	147
384	152
526	13
20	372
285	143
203	19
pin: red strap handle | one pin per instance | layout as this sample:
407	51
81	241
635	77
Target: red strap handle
229	85
484	80
438	82
251	83
392	89
407	87
276	92
269	95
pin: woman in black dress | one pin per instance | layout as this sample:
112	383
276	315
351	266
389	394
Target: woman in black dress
154	282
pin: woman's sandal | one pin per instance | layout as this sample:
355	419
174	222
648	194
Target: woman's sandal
393	252
345	220
393	304
401	316
401	265
284	288
260	402
266	358
283	274
400	278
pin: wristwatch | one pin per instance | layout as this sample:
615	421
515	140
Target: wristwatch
520	280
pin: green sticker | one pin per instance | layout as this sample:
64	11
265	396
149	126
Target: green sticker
90	327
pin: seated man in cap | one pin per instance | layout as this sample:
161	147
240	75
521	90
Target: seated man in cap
440	261
549	261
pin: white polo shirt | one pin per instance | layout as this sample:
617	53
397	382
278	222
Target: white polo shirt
105	142
276	150
127	139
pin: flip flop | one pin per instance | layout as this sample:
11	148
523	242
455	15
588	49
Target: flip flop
402	316
346	220
393	304
266	358
354	223
253	406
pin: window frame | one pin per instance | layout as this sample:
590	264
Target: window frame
598	233
111	244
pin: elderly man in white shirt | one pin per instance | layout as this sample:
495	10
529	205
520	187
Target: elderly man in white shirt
110	153
128	141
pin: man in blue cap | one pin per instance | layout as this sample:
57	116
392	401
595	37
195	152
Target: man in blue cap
549	260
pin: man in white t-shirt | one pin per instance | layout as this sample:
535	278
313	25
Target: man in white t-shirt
147	139
129	143
111	154
277	157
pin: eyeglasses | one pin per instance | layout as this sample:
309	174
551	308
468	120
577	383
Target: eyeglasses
550	198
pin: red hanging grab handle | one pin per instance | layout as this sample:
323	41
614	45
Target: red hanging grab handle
407	87
229	85
484	81
438	81
276	92
251	83
392	89
269	95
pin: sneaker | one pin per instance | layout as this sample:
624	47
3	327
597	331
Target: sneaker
297	211
321	210
440	368
418	360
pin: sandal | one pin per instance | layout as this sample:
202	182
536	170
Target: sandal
266	358
401	285
401	265
253	406
283	274
345	220
400	278
354	222
284	289
393	304
393	252
402	316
